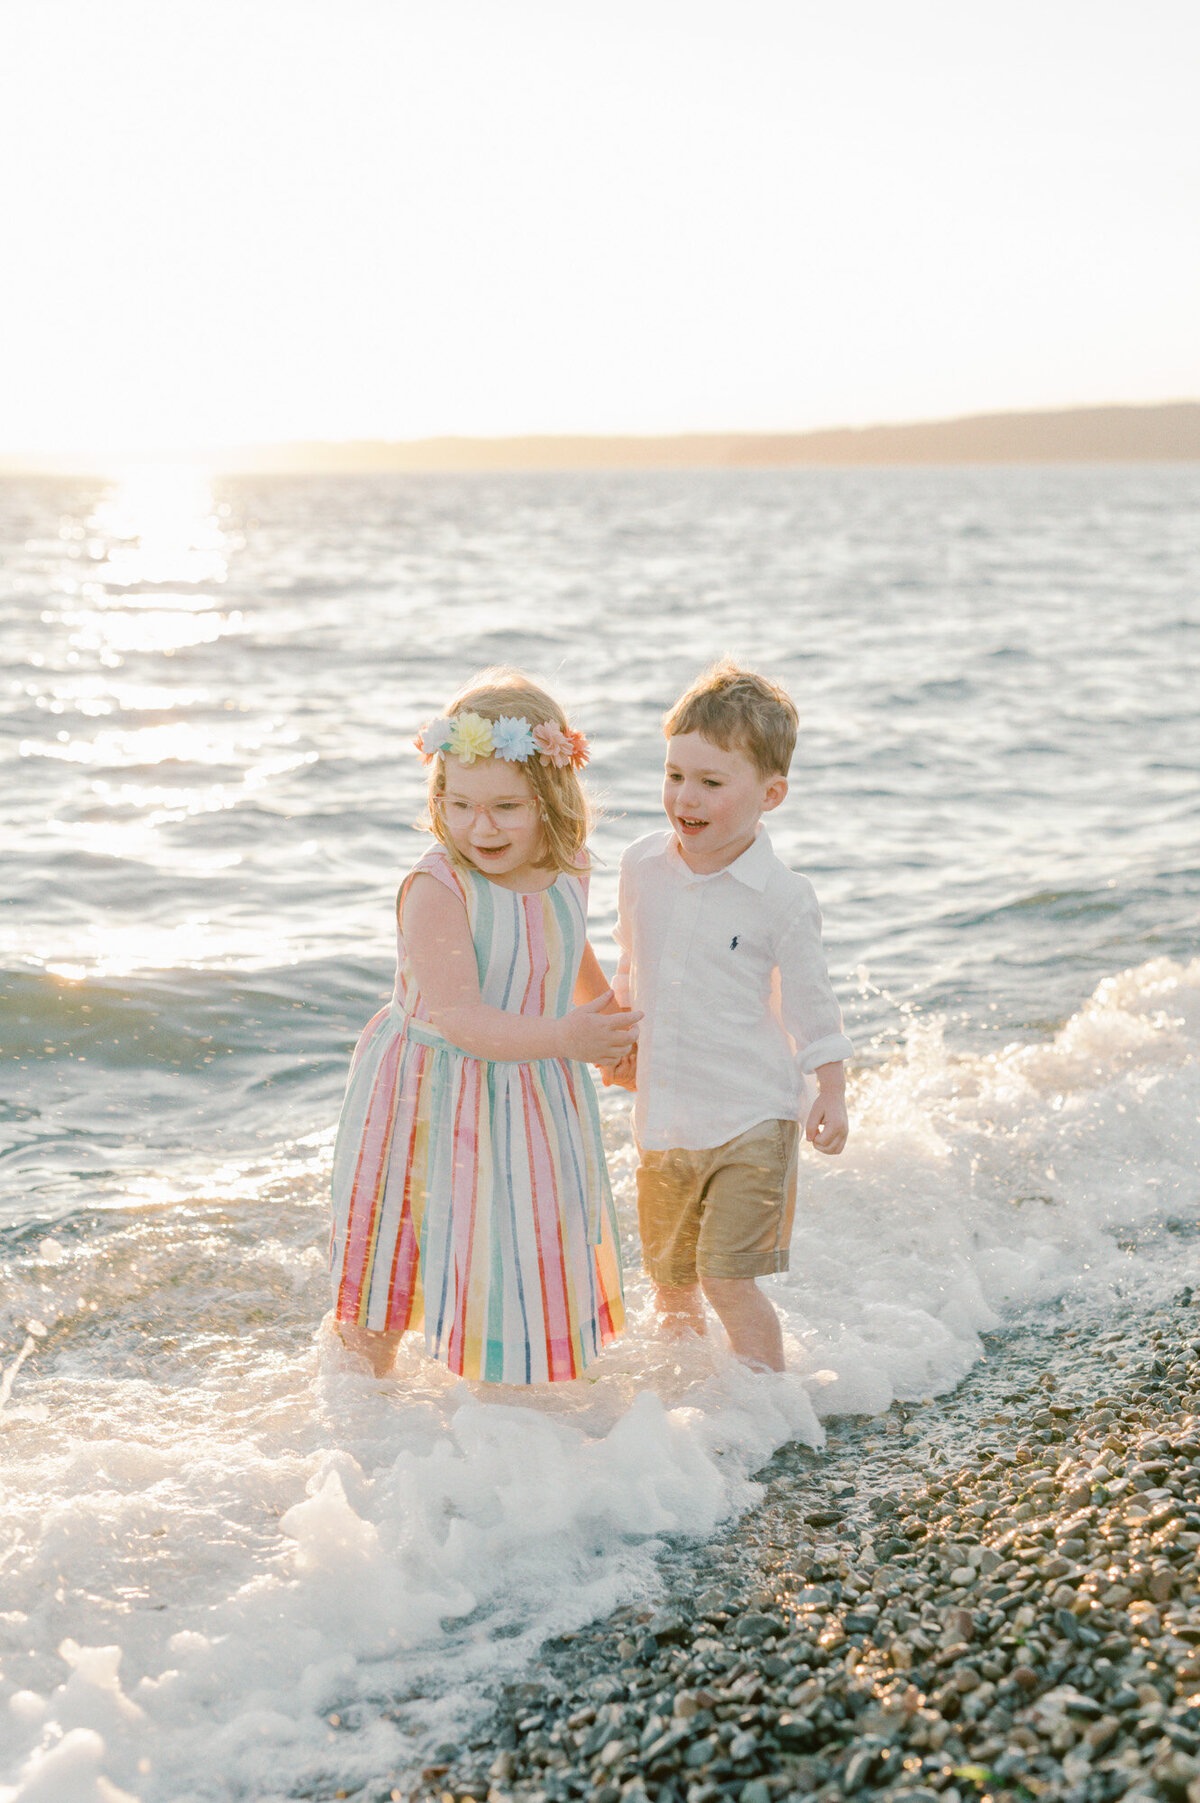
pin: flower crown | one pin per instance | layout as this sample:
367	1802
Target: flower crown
470	736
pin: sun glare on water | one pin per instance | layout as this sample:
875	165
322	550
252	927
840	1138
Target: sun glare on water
142	572
161	525
140	576
155	549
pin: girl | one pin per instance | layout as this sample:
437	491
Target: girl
469	1187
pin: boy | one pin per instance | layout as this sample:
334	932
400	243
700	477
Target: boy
721	949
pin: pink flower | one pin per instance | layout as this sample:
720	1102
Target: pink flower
554	745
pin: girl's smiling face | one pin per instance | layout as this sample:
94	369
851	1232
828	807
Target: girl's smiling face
493	821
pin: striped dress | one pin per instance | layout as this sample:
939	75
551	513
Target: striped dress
470	1195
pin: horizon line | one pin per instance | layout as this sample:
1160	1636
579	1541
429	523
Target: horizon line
1104	431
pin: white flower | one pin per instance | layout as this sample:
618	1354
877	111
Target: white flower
435	737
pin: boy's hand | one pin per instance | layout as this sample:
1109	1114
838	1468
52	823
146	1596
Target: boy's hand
828	1124
623	1074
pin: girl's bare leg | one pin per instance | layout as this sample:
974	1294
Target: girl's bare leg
379	1349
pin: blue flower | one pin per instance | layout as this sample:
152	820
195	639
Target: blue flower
512	739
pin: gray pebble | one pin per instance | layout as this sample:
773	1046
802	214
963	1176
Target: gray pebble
1034	1626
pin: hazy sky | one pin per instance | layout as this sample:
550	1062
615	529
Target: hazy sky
256	219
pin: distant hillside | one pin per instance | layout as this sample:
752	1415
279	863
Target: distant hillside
1077	435
1167	432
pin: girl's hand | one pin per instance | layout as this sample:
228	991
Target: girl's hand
590	1035
828	1124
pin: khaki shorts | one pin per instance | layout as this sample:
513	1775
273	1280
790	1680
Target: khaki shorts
725	1211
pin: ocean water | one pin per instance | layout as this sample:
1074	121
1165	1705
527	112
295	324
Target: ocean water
233	1566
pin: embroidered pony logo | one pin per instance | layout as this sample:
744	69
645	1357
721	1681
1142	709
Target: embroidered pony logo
733	943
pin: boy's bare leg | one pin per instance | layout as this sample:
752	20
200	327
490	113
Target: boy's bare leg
379	1349
749	1319
680	1309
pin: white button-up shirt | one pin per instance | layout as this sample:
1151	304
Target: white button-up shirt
730	972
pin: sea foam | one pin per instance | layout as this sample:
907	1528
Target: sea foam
250	1569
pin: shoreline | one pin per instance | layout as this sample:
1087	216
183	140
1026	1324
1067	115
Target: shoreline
994	1594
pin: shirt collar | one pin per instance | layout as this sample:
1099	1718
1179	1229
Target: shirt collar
753	868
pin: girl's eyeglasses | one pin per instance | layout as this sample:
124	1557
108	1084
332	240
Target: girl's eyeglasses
498	814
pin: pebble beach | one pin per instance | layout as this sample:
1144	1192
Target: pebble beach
991	1595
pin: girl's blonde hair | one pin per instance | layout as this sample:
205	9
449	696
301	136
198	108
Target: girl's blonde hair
565	815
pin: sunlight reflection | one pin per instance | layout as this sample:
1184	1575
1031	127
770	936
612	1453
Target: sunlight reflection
286	1174
158	631
159	525
177	742
156	803
146	595
198	942
139	840
96	696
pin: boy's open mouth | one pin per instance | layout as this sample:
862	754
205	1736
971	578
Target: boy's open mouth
690	826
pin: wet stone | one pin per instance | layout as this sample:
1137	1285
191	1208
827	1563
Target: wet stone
668	1628
984	1612
759	1627
858	1768
701	1752
814	1596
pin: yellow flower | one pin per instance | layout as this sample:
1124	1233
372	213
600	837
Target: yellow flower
471	738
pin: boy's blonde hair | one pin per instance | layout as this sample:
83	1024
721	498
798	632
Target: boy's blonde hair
562	805
738	710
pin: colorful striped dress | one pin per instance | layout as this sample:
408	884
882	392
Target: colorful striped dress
470	1195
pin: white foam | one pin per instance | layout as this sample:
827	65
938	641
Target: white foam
66	1772
252	1573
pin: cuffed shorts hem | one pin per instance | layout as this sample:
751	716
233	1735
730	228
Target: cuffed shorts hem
716	1267
765	1265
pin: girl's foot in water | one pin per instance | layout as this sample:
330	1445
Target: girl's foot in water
379	1349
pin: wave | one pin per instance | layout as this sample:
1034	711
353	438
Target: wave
188	1018
120	1081
248	1537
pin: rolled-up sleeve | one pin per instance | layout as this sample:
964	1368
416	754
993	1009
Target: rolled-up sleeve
622	984
807	1005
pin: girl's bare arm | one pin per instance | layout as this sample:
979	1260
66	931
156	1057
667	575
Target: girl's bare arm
437	938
